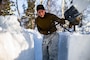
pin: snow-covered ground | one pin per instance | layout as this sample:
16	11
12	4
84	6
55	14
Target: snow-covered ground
17	43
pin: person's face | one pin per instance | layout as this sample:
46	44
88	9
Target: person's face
41	13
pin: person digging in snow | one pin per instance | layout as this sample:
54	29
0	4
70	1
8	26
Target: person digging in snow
46	25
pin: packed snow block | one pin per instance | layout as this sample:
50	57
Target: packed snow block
74	46
38	45
79	47
63	46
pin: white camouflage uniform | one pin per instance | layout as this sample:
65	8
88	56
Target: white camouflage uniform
50	46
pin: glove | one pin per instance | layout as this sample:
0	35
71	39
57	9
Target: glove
62	21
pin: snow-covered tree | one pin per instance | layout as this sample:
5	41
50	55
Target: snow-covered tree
5	8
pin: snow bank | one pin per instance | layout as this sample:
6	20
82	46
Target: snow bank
74	46
12	41
63	46
34	39
17	43
9	48
10	23
29	53
79	47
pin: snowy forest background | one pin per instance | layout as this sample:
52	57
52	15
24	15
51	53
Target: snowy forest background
20	40
25	10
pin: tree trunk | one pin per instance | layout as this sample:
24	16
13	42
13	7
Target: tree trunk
17	8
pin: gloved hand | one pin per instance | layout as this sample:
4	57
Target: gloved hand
62	21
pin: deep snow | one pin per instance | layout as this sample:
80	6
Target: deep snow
17	43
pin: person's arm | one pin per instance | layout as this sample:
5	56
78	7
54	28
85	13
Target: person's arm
59	20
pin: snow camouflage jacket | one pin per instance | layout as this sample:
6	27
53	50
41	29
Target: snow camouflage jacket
46	25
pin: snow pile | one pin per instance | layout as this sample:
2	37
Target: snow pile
12	41
79	47
17	43
29	53
74	46
10	23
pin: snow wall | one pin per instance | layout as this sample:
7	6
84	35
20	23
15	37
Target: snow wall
74	46
20	44
15	43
